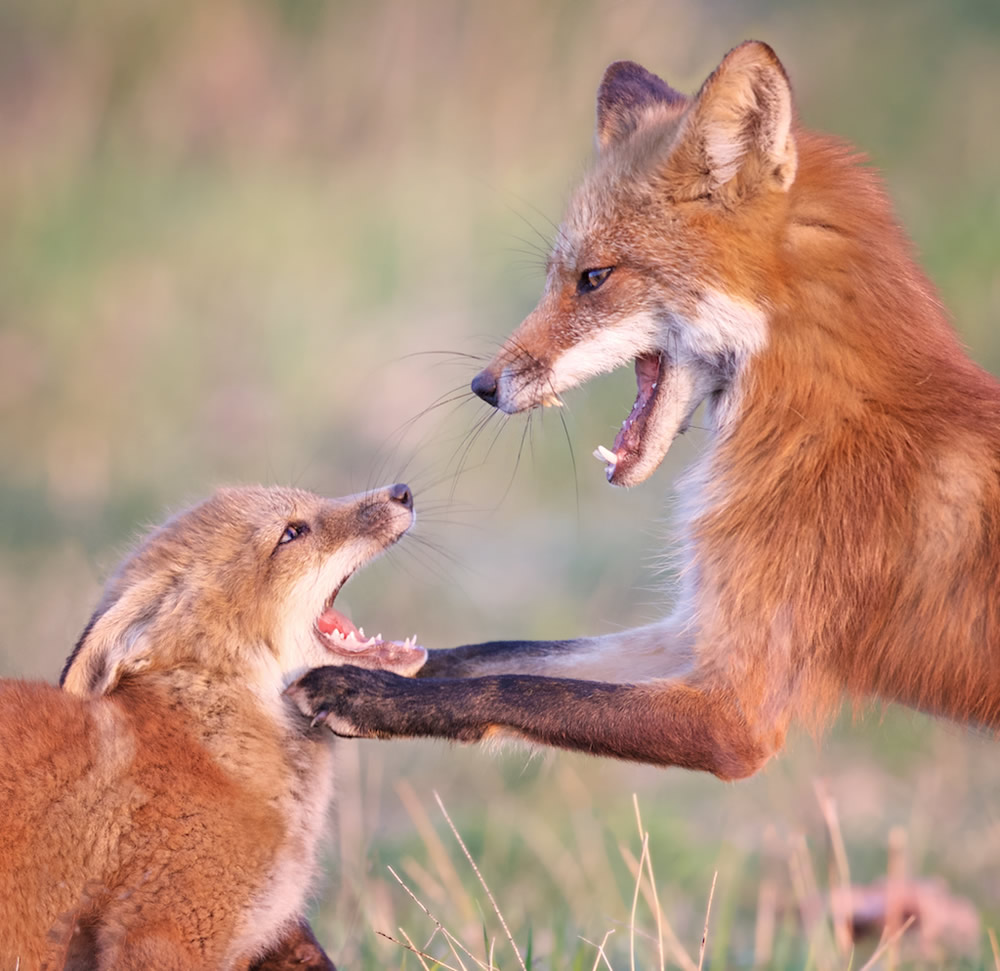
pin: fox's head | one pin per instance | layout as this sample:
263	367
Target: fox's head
244	584
663	255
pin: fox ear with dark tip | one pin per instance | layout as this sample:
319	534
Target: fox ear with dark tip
738	131
114	642
628	92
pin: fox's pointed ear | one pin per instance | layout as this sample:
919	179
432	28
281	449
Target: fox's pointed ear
627	93
740	124
115	641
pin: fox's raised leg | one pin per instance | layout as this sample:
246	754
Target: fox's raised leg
684	723
660	650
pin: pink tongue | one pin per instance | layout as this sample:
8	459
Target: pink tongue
333	620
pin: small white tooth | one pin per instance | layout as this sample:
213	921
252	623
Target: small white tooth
550	400
654	385
606	455
361	631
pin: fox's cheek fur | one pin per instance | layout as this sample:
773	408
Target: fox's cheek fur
681	358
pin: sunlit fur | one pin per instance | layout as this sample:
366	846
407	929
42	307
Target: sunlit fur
841	532
165	809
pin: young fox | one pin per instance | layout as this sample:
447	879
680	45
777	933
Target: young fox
841	532
164	809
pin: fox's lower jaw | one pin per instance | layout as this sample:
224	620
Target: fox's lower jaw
348	644
341	642
668	394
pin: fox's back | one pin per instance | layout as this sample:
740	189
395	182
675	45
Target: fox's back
100	793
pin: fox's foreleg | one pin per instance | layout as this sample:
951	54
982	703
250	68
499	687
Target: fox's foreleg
694	721
661	650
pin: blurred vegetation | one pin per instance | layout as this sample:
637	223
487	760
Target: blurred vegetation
229	233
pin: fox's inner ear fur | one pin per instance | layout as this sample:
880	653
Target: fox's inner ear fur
113	643
740	123
628	92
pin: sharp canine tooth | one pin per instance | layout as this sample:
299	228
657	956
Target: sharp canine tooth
606	455
361	631
550	400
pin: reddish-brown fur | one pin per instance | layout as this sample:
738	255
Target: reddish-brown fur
841	533
165	809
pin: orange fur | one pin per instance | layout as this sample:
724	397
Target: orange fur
164	811
841	533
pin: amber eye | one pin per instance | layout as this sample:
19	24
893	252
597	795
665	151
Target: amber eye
590	280
293	531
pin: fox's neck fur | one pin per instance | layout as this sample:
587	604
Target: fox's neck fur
855	421
270	759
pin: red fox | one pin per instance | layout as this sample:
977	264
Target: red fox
165	808
840	534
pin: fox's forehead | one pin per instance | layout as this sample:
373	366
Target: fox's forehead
259	504
620	194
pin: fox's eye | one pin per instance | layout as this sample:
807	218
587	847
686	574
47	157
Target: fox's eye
293	531
590	280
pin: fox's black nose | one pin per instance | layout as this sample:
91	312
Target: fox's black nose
400	493
485	385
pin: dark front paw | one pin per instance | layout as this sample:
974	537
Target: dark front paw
344	698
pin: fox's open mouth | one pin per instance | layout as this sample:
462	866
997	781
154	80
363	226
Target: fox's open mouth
338	634
628	445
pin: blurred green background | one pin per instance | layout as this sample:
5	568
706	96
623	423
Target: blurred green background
228	233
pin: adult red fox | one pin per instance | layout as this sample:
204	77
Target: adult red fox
163	811
841	532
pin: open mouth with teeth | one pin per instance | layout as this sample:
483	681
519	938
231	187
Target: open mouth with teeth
630	443
337	633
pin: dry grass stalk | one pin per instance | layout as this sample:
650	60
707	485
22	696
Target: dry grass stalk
996	950
889	942
708	911
452	941
810	904
408	945
635	867
601	956
635	901
485	886
456	891
839	873
894	891
644	836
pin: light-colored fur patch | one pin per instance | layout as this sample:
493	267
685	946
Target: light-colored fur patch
601	351
724	324
295	869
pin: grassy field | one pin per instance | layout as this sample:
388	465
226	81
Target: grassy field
229	234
